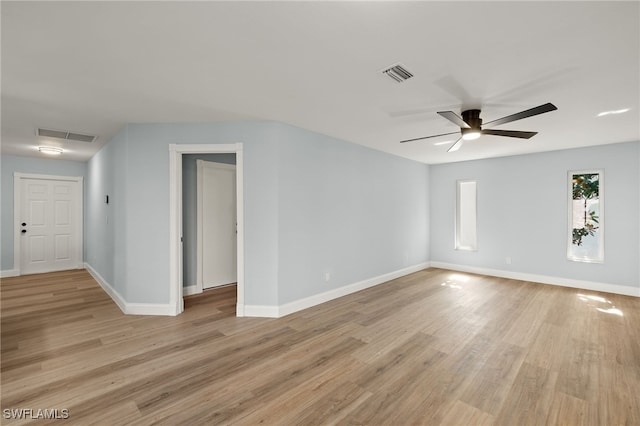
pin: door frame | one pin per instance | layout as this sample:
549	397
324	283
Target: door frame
17	212
176	300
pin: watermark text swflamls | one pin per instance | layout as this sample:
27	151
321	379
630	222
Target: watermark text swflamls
35	413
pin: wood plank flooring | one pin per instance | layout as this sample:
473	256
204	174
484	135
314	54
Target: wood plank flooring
432	348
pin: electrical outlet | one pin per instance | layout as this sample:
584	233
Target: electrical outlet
507	260
327	276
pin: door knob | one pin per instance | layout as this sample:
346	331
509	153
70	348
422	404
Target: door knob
24	230
24	224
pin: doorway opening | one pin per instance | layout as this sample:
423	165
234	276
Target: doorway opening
209	221
183	269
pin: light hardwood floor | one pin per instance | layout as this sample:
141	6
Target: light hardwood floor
434	347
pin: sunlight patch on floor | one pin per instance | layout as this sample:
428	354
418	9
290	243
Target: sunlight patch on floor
454	281
614	311
593	301
459	277
450	285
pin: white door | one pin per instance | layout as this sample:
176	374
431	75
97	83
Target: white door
49	224
217	236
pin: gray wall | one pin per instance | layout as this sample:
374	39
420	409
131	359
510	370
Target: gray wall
135	168
106	230
346	192
314	204
148	205
43	166
190	212
353	212
522	213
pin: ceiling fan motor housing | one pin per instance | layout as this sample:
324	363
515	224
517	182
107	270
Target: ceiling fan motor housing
472	118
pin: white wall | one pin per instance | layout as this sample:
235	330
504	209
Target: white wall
522	213
43	166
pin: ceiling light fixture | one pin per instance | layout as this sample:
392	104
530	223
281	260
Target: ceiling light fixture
618	111
50	150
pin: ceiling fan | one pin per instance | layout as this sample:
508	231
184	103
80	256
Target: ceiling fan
471	125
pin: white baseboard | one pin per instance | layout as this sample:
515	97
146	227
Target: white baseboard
543	279
262	311
112	292
269	311
9	273
190	290
151	309
316	299
130	308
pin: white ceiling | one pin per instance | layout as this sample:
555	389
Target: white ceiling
91	67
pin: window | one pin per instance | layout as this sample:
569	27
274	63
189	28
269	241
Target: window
586	216
466	234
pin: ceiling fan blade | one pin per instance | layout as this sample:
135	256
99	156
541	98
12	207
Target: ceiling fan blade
509	133
456	146
454	118
428	137
523	114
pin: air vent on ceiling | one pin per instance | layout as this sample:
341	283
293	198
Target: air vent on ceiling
70	136
398	73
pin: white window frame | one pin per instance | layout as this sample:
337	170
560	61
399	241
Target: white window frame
464	240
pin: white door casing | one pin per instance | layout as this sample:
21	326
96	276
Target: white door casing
48	223
216	224
175	218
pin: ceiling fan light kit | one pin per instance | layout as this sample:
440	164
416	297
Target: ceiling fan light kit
470	134
471	125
